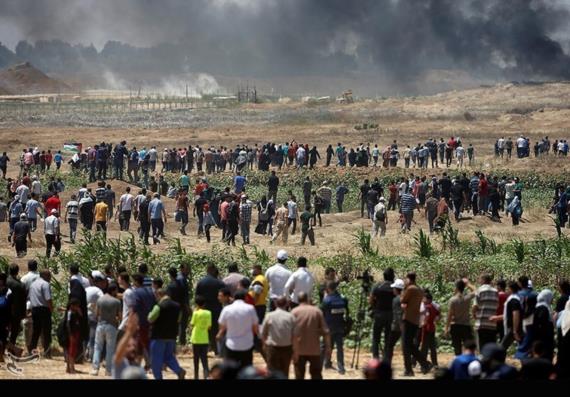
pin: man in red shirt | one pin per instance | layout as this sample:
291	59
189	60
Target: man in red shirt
53	203
393	196
501	287
483	195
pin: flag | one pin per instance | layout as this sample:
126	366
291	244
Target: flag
72	147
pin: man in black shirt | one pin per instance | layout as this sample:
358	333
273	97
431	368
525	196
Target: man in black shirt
273	186
381	302
457	198
372	199
364	188
445	187
18	303
21	232
378	187
208	287
178	289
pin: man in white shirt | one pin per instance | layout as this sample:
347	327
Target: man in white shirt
300	281
36	186
24	192
521	143
32	274
293	214
152	158
52	233
125	209
277	276
239	323
93	293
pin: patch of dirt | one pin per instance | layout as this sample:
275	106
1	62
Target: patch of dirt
25	79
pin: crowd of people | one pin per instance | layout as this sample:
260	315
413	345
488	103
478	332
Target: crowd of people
132	324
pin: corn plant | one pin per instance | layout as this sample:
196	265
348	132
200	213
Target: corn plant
450	237
364	240
424	248
519	248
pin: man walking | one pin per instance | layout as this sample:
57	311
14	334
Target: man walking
486	304
156	212
245	209
164	319
380	219
208	287
20	236
411	301
310	326
108	319
381	302
306	226
72	217
277	276
239	324
301	281
40	298
281	226
458	317
273	186
52	233
335	311
277	335
409	204
125	209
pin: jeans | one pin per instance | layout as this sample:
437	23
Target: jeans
394	338
378	227
457	204
162	352
243	358
308	233
91	342
337	340
125	219
459	335
292	221
382	324
244	226
106	335
52	241
41	320
157	228
339	205
118	171
200	215
410	349
72	229
200	355
409	217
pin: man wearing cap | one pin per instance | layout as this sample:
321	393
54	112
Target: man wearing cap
380	218
277	275
21	231
396	326
52	233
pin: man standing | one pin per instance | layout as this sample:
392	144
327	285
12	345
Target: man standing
179	291
20	233
125	209
325	193
362	195
182	204
380	219
310	325
239	324
108	318
301	281
411	301
458	316
41	304
281	226
381	300
245	209
341	192
259	292
486	304
293	214
52	233
273	186
87	210
164	319
209	287
307	189
409	204
335	311
277	275
72	216
277	335
17	304
156	212
306	226
233	278
101	210
32	210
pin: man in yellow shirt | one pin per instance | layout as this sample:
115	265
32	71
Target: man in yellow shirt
101	210
201	323
259	291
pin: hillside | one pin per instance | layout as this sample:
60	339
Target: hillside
25	79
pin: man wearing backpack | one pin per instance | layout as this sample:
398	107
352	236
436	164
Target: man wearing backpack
335	311
380	218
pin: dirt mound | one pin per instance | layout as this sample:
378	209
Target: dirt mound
24	79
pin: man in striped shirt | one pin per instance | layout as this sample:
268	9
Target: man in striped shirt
72	216
486	303
245	218
408	205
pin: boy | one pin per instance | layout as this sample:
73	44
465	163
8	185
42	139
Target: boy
201	323
432	315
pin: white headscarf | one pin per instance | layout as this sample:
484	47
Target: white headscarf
545	299
566	319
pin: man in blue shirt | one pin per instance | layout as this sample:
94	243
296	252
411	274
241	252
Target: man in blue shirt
341	191
335	311
408	205
460	366
156	212
239	183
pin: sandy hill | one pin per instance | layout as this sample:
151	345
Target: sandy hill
25	79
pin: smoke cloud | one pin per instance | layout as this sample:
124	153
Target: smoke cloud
400	39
